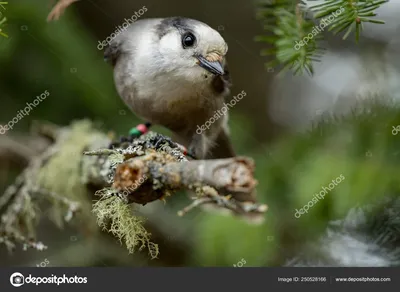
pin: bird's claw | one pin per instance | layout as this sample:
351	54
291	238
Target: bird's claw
192	153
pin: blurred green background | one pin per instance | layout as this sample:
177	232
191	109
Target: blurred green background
62	58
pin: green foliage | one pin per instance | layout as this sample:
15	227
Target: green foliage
354	15
288	27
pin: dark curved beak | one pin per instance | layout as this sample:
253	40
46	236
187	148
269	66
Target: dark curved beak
213	67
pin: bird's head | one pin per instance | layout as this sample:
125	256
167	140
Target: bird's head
191	46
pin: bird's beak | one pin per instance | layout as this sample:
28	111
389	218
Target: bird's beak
213	67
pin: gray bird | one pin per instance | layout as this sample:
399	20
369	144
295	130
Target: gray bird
172	72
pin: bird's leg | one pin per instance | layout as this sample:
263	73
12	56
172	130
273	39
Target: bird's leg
197	147
191	154
134	133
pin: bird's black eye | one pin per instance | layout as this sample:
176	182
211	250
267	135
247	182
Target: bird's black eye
188	40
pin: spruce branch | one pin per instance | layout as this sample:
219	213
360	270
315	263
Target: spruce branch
295	38
355	13
289	24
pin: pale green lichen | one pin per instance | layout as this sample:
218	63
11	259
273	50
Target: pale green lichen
127	227
59	176
62	174
115	216
28	215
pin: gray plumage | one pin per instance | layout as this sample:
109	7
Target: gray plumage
178	87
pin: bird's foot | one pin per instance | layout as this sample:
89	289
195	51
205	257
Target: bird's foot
172	145
185	151
164	139
134	133
192	153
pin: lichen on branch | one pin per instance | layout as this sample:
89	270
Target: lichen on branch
77	164
123	225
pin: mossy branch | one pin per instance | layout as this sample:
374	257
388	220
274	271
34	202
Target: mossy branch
148	169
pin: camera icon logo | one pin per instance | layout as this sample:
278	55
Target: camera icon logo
17	279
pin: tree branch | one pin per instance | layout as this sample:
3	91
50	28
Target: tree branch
59	9
78	164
